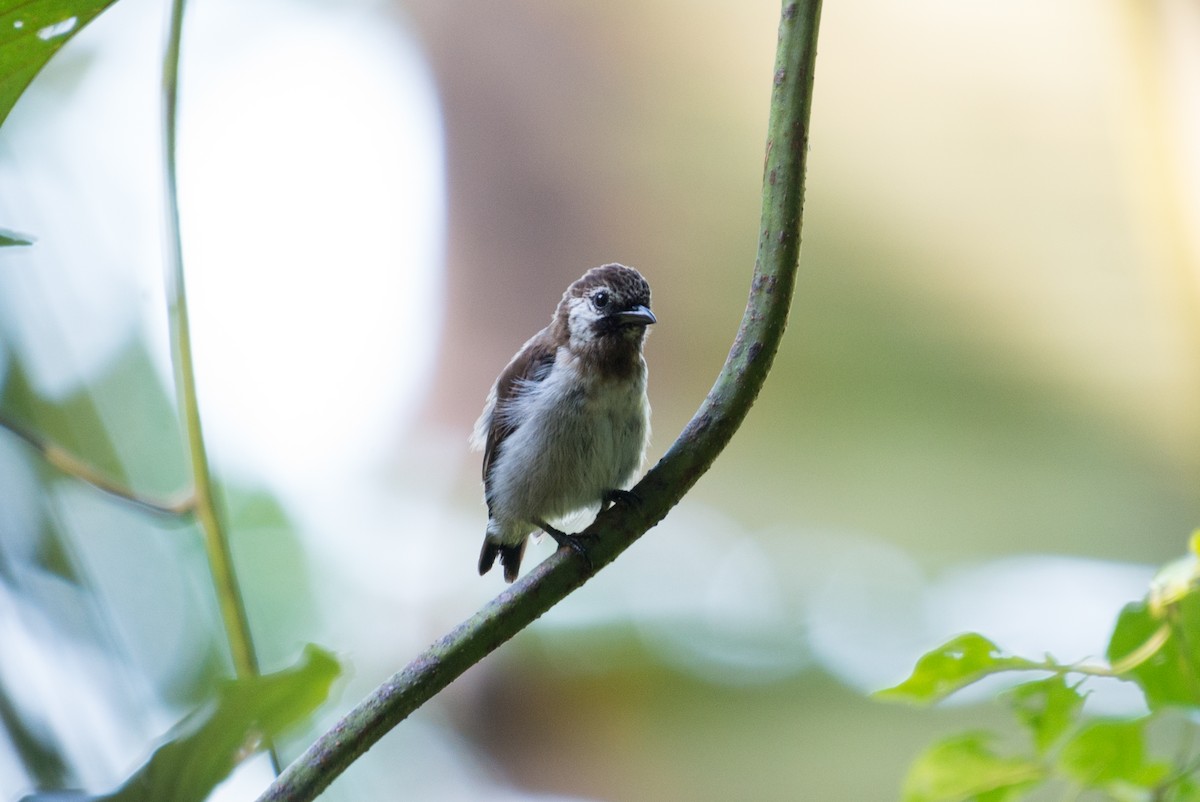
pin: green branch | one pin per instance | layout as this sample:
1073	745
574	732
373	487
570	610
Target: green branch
216	544
66	462
721	413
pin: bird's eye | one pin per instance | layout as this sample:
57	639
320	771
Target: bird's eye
600	299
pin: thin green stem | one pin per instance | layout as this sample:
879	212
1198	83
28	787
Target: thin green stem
1021	664
67	463
702	440
1076	668
229	598
1144	652
216	541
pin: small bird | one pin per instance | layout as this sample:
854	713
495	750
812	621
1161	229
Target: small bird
567	422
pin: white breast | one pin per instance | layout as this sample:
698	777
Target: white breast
579	436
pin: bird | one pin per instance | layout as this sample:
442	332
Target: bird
566	424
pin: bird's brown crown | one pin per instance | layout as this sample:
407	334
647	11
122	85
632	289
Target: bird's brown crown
625	283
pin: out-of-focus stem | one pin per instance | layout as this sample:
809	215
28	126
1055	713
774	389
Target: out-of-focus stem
216	543
64	461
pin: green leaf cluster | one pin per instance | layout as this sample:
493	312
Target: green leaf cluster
208	744
1155	645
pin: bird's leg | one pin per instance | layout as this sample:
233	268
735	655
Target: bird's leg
611	497
574	542
577	543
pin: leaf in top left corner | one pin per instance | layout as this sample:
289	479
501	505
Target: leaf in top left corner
31	31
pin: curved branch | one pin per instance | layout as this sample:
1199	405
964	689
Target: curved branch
702	440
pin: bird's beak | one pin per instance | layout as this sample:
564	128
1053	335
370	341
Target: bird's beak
637	316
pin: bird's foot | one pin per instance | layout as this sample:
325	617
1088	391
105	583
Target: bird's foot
627	497
576	543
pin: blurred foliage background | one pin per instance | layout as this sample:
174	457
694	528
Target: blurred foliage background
982	417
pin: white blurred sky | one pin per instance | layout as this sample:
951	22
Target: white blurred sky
311	190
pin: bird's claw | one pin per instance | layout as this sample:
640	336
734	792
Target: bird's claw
627	497
576	543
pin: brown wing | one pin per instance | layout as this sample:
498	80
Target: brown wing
531	365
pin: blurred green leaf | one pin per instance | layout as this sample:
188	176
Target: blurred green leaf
12	238
1168	671
146	438
74	424
133	444
1186	790
1111	754
267	548
965	768
209	743
951	667
37	751
1047	707
31	31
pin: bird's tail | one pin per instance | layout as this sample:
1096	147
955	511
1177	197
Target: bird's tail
510	557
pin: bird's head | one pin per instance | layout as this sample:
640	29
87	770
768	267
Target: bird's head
607	308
